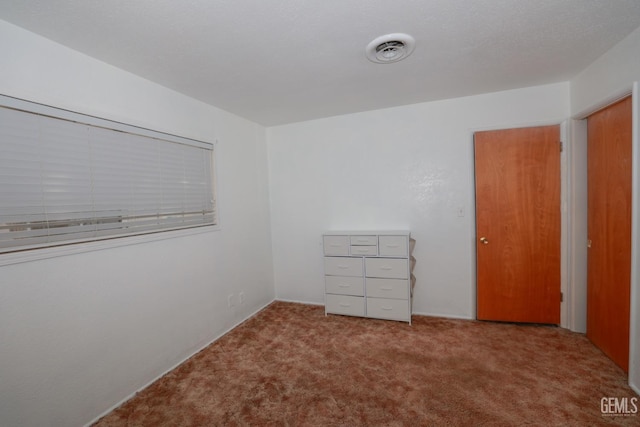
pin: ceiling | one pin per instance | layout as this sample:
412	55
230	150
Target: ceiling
283	61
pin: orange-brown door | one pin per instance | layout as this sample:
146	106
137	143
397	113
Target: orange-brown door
517	175
609	230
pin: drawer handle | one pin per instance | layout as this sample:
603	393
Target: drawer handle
385	267
393	246
386	308
335	245
362	240
344	304
342	285
385	288
343	267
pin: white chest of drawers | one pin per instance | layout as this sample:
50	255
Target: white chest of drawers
368	274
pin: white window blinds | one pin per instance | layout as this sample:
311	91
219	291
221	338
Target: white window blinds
64	181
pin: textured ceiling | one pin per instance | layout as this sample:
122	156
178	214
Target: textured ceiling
282	61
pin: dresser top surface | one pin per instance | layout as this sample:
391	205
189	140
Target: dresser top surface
367	233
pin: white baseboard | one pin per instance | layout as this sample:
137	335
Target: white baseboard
300	302
444	316
198	349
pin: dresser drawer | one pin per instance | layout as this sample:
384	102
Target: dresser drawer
389	268
392	309
336	245
344	285
388	288
339	266
343	304
364	250
393	246
364	240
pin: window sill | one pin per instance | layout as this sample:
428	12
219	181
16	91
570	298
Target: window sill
77	248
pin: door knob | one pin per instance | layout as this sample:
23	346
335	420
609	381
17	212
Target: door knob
484	240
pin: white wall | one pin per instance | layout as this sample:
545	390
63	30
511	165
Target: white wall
80	333
606	79
577	205
410	168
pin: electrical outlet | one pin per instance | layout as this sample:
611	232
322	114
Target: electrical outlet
241	297
230	302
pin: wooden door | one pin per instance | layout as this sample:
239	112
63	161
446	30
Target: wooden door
518	224
609	230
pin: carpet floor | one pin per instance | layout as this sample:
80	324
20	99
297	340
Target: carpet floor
290	365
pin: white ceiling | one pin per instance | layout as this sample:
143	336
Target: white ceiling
282	61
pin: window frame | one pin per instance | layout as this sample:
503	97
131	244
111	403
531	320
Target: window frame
74	247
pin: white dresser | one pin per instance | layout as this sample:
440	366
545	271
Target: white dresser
369	274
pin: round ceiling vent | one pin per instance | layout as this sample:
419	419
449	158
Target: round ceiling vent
390	48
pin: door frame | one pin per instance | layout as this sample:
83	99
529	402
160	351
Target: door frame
565	305
578	209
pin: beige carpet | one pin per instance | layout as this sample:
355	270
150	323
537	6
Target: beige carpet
291	366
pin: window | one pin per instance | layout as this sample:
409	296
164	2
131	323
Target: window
68	178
